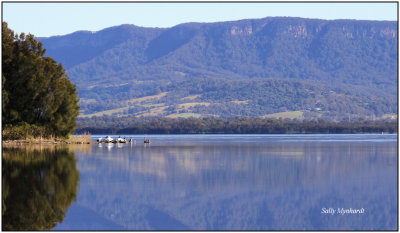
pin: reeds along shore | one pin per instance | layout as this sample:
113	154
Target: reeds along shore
84	138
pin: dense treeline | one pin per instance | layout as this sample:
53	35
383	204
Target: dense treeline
129	125
38	99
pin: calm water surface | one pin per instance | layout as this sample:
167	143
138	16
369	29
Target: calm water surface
206	182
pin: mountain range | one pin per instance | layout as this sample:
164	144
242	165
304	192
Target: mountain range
271	67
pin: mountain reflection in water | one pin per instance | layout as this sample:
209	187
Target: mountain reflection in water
39	184
204	183
234	184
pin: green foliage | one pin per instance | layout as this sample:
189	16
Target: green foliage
36	90
38	187
24	130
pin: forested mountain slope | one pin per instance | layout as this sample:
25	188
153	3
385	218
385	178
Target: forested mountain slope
254	67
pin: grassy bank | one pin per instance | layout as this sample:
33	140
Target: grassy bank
76	139
33	134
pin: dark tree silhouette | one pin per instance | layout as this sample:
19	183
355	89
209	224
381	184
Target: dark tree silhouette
36	90
38	187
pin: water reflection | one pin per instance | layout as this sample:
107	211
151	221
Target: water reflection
236	185
39	184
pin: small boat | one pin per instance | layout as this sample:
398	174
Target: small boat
108	139
147	140
99	140
121	140
116	140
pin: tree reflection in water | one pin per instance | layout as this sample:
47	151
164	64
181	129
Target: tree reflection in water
39	185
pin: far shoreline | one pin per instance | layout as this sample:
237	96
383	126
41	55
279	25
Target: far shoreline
215	134
21	142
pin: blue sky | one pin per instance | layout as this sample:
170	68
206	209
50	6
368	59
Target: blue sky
49	19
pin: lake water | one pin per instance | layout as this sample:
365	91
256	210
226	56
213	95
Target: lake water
205	182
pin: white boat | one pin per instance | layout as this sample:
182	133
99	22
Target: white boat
108	139
120	140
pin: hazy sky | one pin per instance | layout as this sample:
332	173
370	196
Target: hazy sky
48	19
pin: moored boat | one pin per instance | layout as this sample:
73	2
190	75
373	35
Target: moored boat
108	139
121	140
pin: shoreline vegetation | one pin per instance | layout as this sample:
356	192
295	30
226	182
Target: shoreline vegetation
159	125
42	141
84	138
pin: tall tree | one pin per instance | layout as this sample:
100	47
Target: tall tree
36	90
